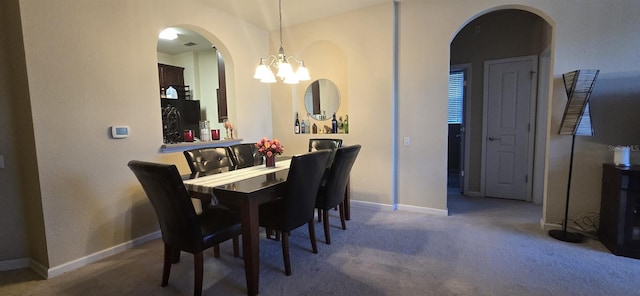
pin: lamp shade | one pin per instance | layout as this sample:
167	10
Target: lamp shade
303	74
262	71
291	79
268	77
284	70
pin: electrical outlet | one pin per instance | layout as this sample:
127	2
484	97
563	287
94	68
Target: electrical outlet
1	161
407	141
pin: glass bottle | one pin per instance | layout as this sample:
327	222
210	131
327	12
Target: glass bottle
314	129
334	124
296	126
346	124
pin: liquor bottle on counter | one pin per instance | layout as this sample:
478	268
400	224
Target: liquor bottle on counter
296	127
346	124
314	129
334	124
303	127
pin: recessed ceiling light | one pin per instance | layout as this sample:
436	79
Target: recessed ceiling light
168	34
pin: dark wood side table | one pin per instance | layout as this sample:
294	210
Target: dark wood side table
619	228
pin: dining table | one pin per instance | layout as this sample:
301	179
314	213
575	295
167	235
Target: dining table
245	190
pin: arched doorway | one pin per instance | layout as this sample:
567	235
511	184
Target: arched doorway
498	35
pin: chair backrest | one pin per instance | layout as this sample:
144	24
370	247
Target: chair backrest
319	144
246	155
209	160
303	182
338	176
330	144
171	202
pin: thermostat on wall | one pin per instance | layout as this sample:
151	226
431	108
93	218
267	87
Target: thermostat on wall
119	131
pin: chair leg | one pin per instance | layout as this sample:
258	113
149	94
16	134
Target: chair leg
175	256
236	248
312	236
327	235
197	274
285	253
342	220
216	251
166	268
319	215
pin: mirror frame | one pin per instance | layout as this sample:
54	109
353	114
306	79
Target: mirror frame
313	98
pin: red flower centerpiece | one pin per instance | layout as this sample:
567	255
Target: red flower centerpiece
269	149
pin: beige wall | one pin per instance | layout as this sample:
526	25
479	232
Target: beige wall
357	58
584	38
90	67
81	80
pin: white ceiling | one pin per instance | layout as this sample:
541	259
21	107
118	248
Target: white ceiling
264	14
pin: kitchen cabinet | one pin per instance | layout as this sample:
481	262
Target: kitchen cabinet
170	75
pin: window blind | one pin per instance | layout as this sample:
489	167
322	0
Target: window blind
456	96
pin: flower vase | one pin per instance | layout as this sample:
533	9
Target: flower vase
270	161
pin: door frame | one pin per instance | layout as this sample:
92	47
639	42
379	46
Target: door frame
533	98
466	118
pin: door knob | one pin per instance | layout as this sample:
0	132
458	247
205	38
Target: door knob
493	139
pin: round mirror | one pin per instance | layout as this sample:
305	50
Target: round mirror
322	99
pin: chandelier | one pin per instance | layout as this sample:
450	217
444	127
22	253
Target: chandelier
281	62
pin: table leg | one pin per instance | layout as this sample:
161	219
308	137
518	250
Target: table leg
347	201
251	246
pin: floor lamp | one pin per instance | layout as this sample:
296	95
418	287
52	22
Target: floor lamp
575	121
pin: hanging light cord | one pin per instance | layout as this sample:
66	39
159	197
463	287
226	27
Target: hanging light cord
280	13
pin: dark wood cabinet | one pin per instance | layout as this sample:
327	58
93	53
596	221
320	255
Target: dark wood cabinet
619	228
170	75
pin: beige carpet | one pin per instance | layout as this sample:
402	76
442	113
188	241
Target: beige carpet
485	247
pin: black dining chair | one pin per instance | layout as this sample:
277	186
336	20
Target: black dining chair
332	192
246	155
296	206
182	229
316	144
209	160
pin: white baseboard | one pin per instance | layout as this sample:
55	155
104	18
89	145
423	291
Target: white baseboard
14	264
38	268
371	205
401	207
60	269
423	210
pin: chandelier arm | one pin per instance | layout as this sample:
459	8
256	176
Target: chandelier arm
295	59
268	61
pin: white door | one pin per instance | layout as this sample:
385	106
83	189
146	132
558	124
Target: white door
509	99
